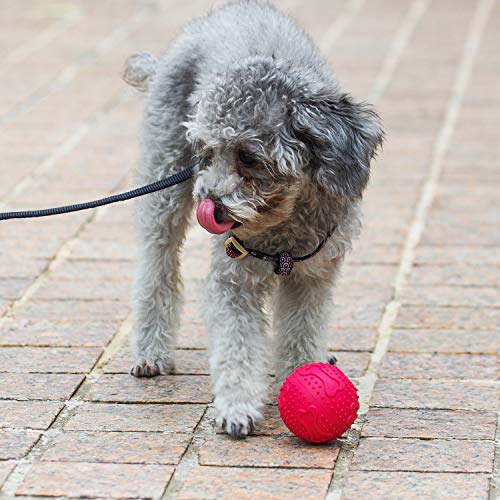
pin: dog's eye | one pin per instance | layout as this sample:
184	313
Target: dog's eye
247	159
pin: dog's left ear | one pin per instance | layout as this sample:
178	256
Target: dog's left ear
341	138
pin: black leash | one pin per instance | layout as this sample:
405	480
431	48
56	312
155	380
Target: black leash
283	261
177	178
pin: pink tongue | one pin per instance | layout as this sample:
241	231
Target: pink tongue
206	218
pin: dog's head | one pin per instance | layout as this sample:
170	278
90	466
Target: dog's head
264	134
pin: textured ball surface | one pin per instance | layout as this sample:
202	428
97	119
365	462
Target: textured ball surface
318	402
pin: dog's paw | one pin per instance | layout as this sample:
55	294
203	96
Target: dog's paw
238	421
150	368
238	427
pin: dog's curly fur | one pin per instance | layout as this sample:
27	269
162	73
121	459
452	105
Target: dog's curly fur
244	83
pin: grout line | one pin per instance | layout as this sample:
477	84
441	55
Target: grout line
341	23
190	458
401	40
494	490
428	191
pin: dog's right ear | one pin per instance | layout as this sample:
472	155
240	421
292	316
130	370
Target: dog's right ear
341	137
139	70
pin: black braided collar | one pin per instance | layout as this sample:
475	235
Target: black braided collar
283	261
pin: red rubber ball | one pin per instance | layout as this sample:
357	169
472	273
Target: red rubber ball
318	402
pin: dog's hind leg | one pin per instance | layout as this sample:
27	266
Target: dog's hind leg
300	320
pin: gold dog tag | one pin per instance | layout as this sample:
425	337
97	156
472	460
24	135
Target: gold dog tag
234	249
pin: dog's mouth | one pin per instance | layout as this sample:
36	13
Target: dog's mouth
214	217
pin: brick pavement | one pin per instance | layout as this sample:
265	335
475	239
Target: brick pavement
417	311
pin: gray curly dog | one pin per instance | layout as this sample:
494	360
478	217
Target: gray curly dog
282	157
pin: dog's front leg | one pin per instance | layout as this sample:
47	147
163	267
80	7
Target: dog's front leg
239	352
301	311
162	221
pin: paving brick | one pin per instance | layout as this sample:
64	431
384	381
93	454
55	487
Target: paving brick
452	296
370	275
271	423
102	250
14	288
366	253
37	386
485	234
21	267
398	485
423	455
192	334
445	394
351	339
27	246
118	447
458	255
355	315
441	366
69	310
136	417
192	308
121	233
267	451
463	274
74	271
384	232
362	296
461	214
249	483
164	389
191	362
16	444
353	364
426	424
467	318
451	341
28	414
5	470
47	359
82	289
52	333
96	480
